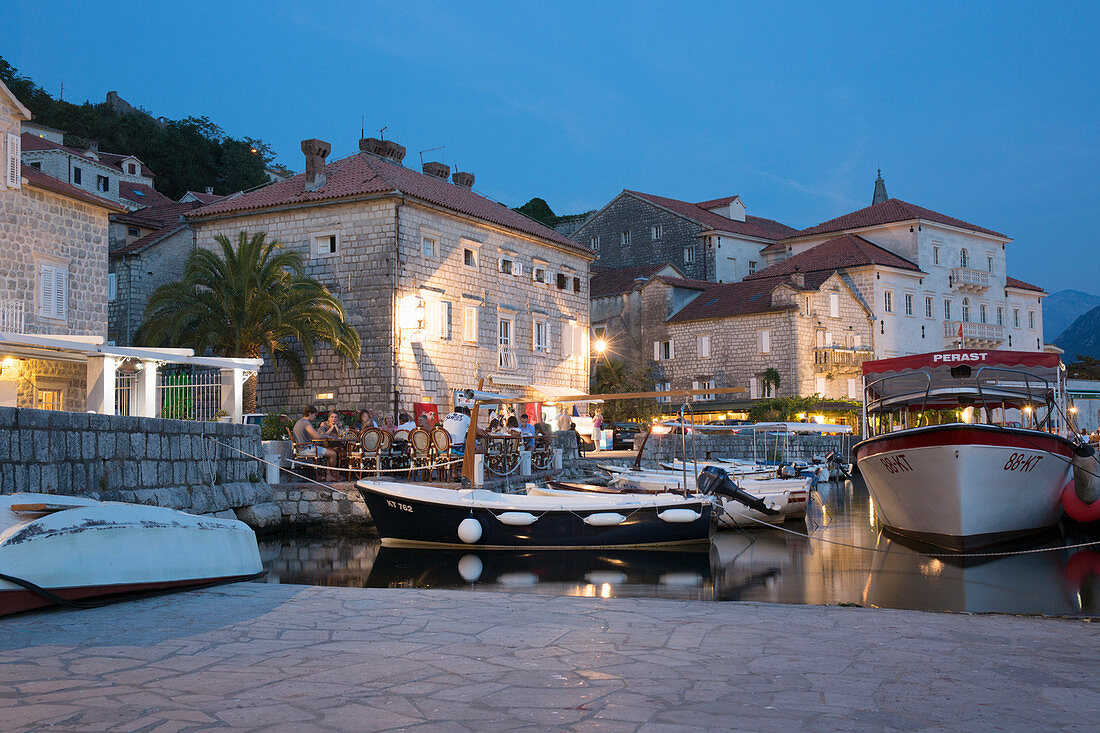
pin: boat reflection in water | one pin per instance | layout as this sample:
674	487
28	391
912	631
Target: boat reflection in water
847	559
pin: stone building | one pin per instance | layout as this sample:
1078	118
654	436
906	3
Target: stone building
53	271
957	292
148	248
809	326
445	287
710	240
120	178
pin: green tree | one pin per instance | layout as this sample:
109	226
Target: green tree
612	377
771	378
251	299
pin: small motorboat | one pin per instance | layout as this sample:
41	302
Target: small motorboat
414	515
64	549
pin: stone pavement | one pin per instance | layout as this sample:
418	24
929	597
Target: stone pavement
296	658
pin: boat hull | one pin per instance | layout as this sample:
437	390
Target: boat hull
80	549
965	486
419	517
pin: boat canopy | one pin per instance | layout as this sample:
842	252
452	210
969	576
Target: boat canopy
940	379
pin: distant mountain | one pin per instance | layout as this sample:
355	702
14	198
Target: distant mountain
1062	308
1082	338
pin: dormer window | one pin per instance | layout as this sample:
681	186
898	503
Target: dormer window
131	168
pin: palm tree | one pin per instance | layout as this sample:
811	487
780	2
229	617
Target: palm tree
771	378
251	299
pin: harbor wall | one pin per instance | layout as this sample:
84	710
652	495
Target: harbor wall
180	464
801	447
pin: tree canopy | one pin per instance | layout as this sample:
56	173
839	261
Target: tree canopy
250	299
186	155
612	377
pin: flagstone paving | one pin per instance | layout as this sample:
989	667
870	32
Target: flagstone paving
296	658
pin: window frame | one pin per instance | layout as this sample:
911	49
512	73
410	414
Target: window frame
908	298
887	301
689	255
752	267
315	239
657	232
49	310
470	324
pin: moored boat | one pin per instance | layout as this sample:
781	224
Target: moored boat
411	515
63	549
995	469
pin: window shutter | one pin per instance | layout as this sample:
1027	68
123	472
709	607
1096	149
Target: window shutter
534	335
834	305
582	342
112	286
704	347
517	268
14	159
853	389
656	351
469	324
431	317
754	392
828	338
45	290
765	342
60	292
695	385
671	349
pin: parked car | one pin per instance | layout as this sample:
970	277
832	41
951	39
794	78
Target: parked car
622	435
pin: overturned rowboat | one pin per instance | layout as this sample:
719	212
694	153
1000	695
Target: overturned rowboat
412	515
66	550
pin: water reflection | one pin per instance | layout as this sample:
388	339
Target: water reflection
846	558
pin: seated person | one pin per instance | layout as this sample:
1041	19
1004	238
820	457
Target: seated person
577	437
387	424
332	427
424	421
527	430
304	435
366	420
405	422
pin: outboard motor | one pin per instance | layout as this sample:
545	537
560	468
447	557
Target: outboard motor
715	481
833	462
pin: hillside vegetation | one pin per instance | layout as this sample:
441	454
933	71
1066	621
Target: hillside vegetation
1082	338
186	155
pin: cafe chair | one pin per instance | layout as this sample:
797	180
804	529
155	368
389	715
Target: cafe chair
441	452
542	454
304	455
420	446
371	443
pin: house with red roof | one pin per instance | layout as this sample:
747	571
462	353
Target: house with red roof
712	240
447	288
117	177
940	282
53	273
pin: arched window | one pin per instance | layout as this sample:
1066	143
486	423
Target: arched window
966	306
964	259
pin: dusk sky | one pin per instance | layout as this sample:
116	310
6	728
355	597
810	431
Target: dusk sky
986	112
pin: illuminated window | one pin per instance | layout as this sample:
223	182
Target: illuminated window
49	399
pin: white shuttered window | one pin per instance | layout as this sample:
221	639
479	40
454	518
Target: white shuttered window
704	347
765	338
469	324
12	159
53	291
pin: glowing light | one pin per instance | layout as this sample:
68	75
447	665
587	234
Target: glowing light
605	590
1027	409
1073	409
599	345
325	396
410	313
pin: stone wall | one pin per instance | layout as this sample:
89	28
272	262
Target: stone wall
172	463
71	378
38	227
305	505
138	274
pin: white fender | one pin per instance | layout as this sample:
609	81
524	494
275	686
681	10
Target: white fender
469	530
679	516
604	519
517	519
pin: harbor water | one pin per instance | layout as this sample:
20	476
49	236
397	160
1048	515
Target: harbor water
838	555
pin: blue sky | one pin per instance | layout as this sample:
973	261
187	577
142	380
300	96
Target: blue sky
984	111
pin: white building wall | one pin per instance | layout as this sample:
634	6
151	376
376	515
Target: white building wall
733	255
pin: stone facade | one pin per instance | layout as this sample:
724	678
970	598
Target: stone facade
38	381
432	359
813	351
138	274
603	231
707	446
172	463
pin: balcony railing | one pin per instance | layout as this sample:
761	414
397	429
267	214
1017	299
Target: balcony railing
839	358
969	279
972	332
507	358
12	319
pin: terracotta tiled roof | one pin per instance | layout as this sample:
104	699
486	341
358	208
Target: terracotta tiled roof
684	282
748	297
848	250
1011	282
38	179
205	198
888	212
148	240
140	193
31	142
715	203
613	281
156	217
363	174
753	226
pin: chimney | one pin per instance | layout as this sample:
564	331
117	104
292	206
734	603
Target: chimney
439	170
382	148
462	178
798	279
315	151
93	146
209	189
